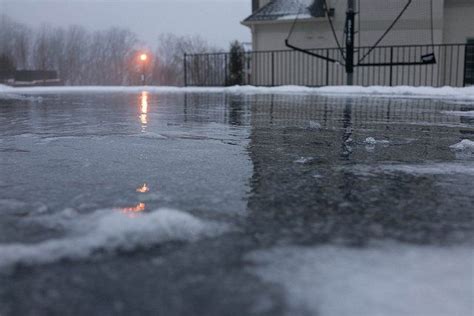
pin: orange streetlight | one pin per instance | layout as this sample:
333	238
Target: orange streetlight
143	59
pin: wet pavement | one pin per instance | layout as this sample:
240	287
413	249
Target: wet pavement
226	204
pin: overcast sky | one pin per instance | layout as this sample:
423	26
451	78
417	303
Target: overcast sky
218	21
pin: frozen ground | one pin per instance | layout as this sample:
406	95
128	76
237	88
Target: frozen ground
239	201
449	93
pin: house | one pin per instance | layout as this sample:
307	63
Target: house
271	21
425	22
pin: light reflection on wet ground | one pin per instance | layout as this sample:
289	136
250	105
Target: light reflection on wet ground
292	170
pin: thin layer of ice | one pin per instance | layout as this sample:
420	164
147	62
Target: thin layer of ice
389	280
400	91
108	231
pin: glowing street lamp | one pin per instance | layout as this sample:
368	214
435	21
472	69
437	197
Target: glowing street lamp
143	59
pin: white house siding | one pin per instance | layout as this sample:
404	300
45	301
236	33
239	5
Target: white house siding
458	28
459	21
376	16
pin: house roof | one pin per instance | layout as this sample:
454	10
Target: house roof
288	9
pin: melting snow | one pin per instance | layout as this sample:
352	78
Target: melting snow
464	145
373	141
390	280
108	231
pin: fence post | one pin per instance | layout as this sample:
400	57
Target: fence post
273	68
391	66
185	71
226	82
466	51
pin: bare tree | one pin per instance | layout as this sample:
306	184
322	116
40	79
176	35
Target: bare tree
169	57
106	57
74	55
48	47
15	41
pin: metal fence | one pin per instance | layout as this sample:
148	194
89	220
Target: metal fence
385	66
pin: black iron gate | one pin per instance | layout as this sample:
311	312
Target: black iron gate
454	67
469	62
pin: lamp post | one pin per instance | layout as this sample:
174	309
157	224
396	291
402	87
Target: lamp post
143	60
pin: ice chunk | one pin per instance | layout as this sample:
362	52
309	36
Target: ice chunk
464	145
314	125
304	160
389	280
110	231
370	141
415	169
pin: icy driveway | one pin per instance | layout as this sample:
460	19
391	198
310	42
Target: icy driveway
228	204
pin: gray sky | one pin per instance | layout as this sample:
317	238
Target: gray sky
218	21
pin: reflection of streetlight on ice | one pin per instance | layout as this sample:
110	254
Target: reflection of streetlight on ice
144	109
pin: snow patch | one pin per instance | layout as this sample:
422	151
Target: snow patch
460	113
108	231
373	141
9	93
390	280
296	16
465	145
304	160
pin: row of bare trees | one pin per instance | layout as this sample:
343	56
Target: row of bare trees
106	57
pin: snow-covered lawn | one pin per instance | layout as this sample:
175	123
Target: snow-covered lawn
400	91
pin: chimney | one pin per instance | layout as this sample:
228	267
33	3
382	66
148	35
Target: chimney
255	5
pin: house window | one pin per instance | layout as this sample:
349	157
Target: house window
469	71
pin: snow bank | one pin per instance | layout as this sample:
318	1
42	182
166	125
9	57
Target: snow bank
401	91
390	280
404	91
108	231
7	93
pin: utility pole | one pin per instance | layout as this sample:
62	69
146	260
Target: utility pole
350	32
